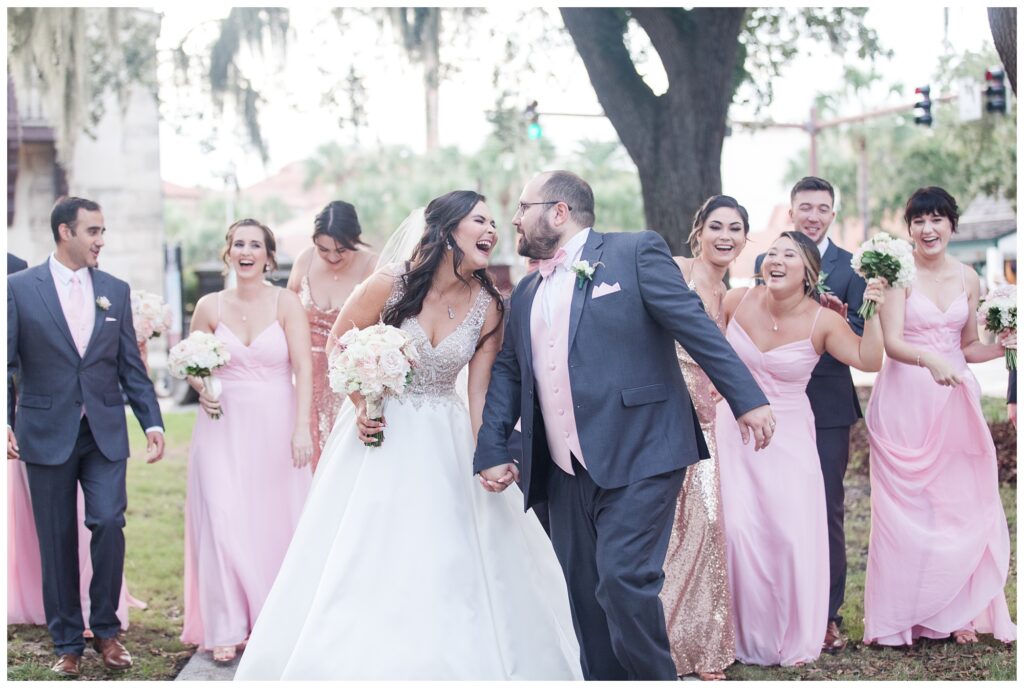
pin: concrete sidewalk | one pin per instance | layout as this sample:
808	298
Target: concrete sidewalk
201	667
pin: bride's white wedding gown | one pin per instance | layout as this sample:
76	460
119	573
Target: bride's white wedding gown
402	566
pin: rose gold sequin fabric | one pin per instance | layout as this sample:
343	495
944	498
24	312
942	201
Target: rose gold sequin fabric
696	592
326	403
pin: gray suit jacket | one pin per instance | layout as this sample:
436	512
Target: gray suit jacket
633	412
830	390
54	380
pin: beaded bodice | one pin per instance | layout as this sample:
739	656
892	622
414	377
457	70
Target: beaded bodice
434	377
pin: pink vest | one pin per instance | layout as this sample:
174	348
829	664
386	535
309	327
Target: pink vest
551	373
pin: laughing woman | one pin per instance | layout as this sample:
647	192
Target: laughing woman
246	477
939	552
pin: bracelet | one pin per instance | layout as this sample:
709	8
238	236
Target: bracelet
919	360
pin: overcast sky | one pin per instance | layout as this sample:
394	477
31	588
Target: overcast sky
753	165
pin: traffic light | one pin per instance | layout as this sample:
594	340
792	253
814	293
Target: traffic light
995	92
924	105
533	129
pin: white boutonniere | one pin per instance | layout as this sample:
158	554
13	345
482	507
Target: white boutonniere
584	271
103	302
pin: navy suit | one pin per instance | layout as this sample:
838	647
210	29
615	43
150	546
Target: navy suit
62	448
14	264
610	523
836	407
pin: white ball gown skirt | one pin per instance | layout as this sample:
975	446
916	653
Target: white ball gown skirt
403	567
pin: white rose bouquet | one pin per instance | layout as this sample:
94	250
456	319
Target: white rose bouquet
150	315
885	256
999	313
377	362
199	355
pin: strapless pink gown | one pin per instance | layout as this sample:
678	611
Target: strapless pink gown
773	501
244	496
940	548
24	570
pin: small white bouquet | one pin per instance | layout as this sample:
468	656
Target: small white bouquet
150	315
377	362
885	256
199	355
999	313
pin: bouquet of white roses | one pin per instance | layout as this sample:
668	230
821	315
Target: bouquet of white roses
150	315
199	355
886	256
999	312
377	362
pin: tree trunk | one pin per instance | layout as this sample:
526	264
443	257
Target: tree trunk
431	74
676	138
1003	22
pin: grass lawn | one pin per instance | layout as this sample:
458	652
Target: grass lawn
154	570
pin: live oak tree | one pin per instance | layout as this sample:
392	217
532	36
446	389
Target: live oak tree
675	138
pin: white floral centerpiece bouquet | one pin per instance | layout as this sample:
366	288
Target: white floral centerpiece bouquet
150	315
378	363
885	256
999	312
199	355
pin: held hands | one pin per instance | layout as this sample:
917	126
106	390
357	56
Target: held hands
154	446
761	423
366	428
497	478
13	453
302	445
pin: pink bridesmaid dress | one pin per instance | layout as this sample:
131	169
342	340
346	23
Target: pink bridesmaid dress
24	570
774	506
244	495
939	551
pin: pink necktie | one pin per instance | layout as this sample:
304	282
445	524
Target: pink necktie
76	299
548	265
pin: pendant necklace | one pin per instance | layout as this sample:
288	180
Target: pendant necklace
451	312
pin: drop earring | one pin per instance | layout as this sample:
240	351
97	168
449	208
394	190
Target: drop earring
449	245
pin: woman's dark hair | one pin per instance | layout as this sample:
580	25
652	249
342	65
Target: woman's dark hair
930	200
269	242
339	221
701	217
443	215
810	256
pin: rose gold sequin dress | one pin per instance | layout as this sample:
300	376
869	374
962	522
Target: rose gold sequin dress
325	402
696	592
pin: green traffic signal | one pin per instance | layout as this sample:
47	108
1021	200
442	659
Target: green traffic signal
533	131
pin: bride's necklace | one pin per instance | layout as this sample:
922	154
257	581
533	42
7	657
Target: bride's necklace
451	311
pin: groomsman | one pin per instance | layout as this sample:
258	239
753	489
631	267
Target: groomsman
14	264
71	342
831	392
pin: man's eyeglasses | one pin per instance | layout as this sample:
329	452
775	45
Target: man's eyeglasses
523	207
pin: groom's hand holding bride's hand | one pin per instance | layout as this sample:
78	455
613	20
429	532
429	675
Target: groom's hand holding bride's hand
497	478
759	422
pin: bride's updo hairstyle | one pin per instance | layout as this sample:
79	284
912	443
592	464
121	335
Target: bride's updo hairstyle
442	216
811	258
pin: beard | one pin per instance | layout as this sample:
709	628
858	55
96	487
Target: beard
542	244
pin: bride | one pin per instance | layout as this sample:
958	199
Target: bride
401	567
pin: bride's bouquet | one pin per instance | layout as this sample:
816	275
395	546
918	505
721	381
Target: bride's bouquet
150	315
199	355
377	362
886	256
999	312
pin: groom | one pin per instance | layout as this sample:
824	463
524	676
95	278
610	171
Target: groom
70	340
589	363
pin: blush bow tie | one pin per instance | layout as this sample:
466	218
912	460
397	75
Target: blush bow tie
548	265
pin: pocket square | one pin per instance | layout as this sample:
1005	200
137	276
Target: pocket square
110	319
604	289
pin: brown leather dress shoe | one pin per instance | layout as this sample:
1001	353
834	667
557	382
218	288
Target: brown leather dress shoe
67	665
115	656
834	639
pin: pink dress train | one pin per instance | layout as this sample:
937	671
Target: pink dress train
24	571
774	506
939	551
244	495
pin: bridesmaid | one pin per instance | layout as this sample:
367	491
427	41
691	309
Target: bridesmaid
696	590
324	275
774	502
244	493
939	552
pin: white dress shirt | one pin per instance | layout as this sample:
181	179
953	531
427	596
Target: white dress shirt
556	282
